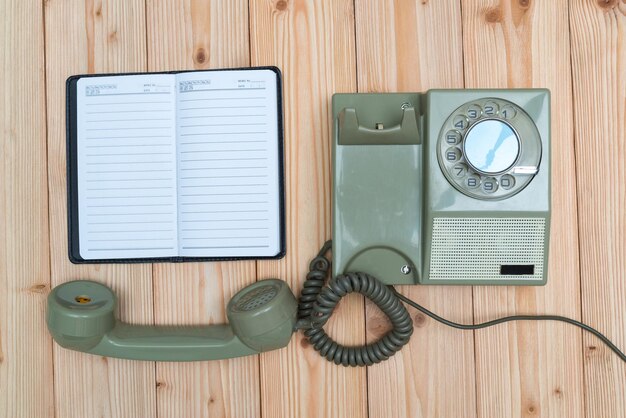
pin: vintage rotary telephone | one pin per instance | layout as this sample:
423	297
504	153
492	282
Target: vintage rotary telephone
446	187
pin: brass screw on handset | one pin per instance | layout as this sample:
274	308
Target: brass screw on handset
82	299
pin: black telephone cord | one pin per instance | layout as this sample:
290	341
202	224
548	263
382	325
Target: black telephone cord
318	301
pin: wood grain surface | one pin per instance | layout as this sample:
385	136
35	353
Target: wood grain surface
575	48
529	368
598	34
26	367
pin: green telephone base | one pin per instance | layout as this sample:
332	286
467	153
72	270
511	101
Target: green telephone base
445	187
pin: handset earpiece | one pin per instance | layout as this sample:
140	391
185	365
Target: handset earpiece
81	317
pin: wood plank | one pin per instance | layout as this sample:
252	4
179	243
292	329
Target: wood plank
197	294
313	44
598	36
188	34
414	46
25	345
530	369
83	37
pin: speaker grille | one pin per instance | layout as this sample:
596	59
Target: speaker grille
477	248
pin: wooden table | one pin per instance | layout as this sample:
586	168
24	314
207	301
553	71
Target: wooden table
577	49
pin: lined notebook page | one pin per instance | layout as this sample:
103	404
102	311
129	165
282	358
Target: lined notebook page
127	166
228	179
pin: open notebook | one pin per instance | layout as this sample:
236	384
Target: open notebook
175	166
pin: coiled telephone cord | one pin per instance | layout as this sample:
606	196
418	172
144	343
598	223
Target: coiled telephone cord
318	301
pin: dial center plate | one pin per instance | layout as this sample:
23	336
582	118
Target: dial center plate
491	146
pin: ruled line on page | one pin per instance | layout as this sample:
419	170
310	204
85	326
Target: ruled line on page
224	229
130	171
130	94
224	89
224	203
130	222
222	133
225	211
225	220
130	230
130	162
127	103
226	247
223	159
222	168
222	177
208	125
223	150
224	107
220	98
128	146
130	214
99	180
128	137
223	142
125	154
128	239
222	116
128	197
223	194
131	205
134	248
222	185
132	188
130	128
229	237
129	120
127	111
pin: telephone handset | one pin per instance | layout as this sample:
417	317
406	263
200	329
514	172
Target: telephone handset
81	316
445	187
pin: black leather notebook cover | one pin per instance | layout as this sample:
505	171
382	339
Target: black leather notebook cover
72	174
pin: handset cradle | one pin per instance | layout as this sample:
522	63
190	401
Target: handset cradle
353	132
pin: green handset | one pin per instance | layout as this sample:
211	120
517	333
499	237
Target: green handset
81	317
